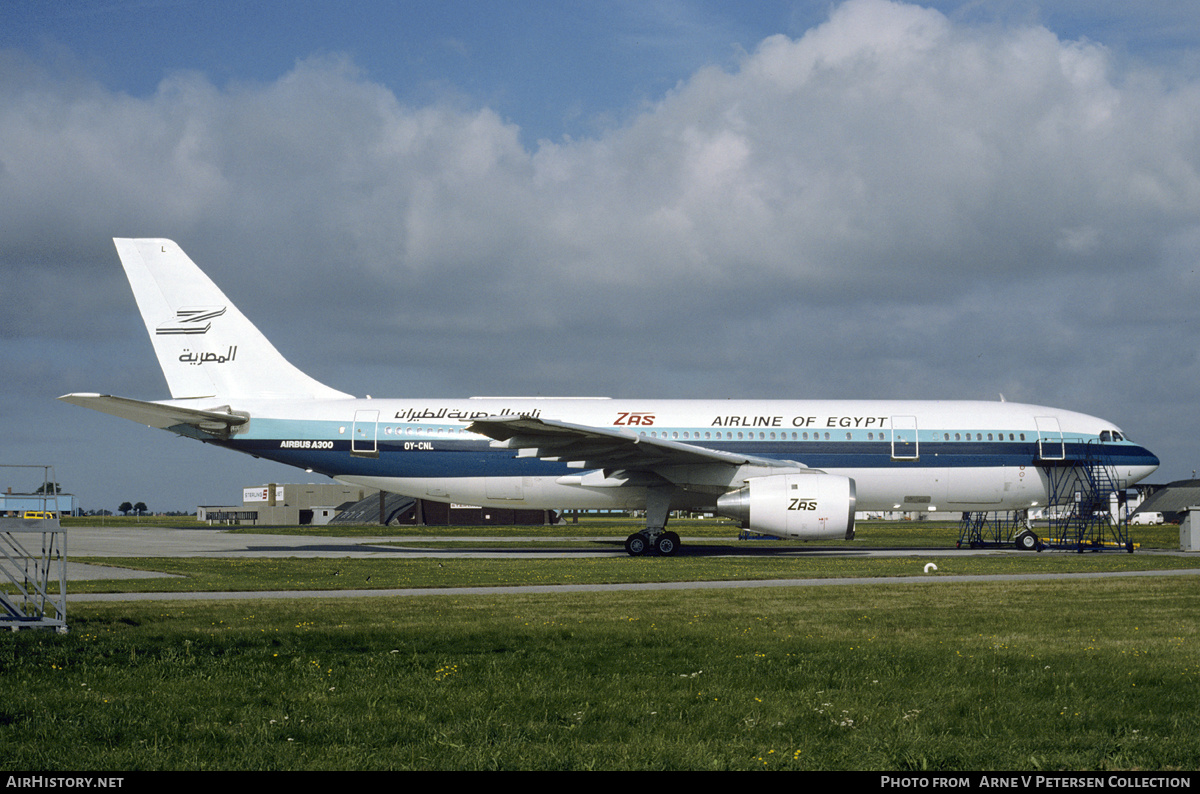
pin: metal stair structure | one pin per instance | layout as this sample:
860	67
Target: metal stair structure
1085	498
33	563
1081	516
980	529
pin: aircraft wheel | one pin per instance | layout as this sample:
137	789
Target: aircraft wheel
636	545
1027	541
667	544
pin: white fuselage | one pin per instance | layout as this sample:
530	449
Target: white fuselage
903	455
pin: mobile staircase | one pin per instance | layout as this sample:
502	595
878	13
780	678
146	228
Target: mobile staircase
980	529
1087	495
1081	514
33	559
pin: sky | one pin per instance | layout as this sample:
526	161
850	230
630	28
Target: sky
676	199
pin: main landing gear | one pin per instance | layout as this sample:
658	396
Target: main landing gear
654	539
664	544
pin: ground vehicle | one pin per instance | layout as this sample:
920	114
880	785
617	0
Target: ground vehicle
1141	519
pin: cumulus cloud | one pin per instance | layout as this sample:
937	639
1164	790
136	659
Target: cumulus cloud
891	204
884	147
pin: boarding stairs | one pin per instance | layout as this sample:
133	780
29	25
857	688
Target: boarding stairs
1082	513
33	562
1084	498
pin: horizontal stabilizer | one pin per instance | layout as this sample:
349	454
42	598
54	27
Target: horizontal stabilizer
212	422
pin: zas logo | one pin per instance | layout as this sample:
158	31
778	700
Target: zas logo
641	418
191	320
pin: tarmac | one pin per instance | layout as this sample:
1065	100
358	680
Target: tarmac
98	542
165	542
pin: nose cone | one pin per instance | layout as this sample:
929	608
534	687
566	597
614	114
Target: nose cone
1138	465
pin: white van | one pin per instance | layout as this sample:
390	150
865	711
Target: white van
1145	518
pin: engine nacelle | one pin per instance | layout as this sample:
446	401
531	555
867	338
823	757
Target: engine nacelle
808	505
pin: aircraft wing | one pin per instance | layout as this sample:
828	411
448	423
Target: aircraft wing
179	419
589	447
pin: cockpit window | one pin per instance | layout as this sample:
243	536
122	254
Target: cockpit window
1111	435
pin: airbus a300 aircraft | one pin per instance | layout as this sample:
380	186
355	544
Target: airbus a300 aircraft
790	468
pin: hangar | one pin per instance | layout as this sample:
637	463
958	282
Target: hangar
1172	500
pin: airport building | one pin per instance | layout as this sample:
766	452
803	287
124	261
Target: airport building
286	504
1171	500
325	503
15	504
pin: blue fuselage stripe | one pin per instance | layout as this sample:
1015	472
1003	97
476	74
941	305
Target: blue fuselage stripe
439	457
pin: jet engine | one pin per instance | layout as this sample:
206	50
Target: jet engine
806	505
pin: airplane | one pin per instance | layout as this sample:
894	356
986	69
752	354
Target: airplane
797	469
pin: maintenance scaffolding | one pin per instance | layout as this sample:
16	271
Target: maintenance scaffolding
33	545
1084	512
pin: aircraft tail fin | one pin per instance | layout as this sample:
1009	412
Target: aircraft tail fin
205	346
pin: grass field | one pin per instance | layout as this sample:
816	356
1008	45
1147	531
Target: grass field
1051	675
199	575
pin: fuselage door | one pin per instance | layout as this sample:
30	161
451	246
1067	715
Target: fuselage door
364	435
1050	438
904	438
